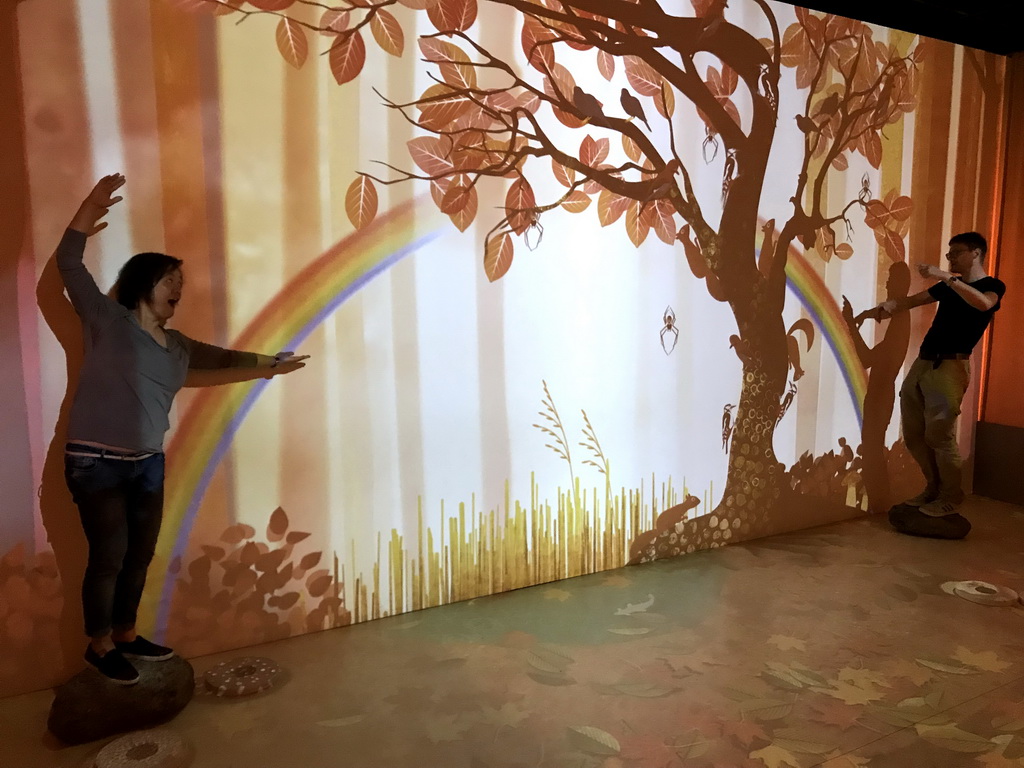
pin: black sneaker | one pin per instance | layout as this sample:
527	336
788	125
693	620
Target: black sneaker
140	648
113	666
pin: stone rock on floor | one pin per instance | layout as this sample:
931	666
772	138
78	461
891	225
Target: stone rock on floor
89	707
912	521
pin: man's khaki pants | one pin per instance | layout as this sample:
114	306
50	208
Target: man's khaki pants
929	404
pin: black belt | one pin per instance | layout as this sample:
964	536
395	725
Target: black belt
938	358
95	452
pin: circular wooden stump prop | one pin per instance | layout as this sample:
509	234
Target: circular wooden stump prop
243	677
981	592
145	749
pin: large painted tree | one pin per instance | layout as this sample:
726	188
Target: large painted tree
485	117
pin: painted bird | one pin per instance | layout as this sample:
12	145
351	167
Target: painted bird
742	349
829	106
726	426
712	19
663	184
631	106
766	87
588	105
805	124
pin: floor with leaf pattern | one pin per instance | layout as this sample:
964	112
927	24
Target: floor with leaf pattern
833	647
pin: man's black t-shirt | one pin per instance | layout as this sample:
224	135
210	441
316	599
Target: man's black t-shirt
958	326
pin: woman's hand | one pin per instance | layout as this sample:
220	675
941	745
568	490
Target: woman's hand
286	362
96	205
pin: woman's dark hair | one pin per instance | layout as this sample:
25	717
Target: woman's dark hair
139	276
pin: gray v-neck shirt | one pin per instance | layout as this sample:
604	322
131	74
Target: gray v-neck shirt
128	379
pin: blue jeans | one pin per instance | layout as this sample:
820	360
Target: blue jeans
121	506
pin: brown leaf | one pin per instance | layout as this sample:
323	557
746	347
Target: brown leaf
664	221
519	204
296	536
250	553
498	256
535	40
271	5
387	32
419	5
271	561
214	553
610	207
637	226
795	46
593	152
465	215
892	243
361	202
873	148
232	534
453	15
452	62
665	101
245	581
461	76
199	569
438	51
565	176
561	87
901	208
310	560
292	42
347	56
438	188
278	525
285	601
334	20
606	64
456	198
431	154
644	79
631	148
576	201
844	251
443	108
876	213
285	575
318	583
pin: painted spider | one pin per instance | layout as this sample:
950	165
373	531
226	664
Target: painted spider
670	327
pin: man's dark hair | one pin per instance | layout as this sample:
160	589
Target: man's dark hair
972	240
139	276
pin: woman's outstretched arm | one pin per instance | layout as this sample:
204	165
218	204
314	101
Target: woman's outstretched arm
88	300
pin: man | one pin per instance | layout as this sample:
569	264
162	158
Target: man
935	385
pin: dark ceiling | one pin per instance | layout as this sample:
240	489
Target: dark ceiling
991	25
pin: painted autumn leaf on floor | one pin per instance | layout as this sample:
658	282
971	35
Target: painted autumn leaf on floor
446	728
784	643
554	593
833	712
508	716
775	757
986	660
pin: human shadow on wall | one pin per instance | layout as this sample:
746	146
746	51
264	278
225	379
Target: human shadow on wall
58	510
883	363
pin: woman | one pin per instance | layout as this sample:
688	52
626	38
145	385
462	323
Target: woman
114	461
